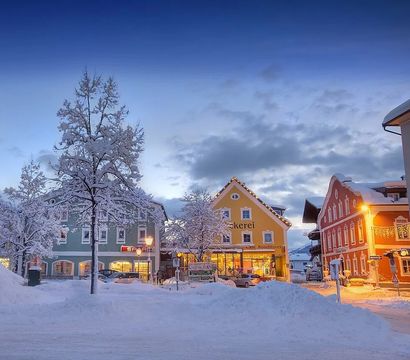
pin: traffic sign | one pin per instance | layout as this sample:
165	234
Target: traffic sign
375	257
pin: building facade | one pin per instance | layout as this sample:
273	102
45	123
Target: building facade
72	250
359	220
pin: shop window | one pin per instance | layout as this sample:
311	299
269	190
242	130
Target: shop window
268	237
120	235
86	235
226	213
63	268
247	237
406	266
402	228
103	235
122	266
142	234
84	267
246	214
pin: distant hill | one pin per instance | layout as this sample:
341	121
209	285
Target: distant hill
301	250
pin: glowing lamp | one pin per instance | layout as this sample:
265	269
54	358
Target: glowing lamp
179	255
149	240
404	252
364	208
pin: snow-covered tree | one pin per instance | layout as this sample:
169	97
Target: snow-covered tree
98	160
28	224
200	227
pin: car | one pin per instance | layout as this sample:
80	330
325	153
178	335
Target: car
107	272
100	277
123	277
246	280
313	275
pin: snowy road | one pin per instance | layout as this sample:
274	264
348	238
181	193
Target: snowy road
124	322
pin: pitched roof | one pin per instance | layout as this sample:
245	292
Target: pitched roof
268	207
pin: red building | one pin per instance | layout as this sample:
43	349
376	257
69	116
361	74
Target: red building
360	220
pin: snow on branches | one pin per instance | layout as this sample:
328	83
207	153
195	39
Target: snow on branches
98	162
200	228
28	224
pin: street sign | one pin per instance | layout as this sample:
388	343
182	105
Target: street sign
375	257
175	262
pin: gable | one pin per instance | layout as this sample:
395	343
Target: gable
234	185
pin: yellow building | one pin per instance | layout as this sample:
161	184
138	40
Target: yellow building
258	239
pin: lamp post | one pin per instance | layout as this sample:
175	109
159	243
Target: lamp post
138	252
148	241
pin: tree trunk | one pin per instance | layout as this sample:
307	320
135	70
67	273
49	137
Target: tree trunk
94	252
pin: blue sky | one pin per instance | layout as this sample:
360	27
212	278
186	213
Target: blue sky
280	95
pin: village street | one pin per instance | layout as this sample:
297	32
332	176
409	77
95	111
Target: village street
383	302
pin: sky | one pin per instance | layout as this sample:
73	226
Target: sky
280	95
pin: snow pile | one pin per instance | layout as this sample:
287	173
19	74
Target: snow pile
12	287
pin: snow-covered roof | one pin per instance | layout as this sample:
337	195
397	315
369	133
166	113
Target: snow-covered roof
396	113
368	190
299	256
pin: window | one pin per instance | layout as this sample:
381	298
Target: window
268	237
226	239
324	244
120	235
336	194
339	237
355	270
394	196
360	231
226	213
63	268
64	215
103	232
142	215
235	196
247	237
246	214
325	219
347	206
142	234
348	264
402	228
406	266
363	264
334	239
352	234
340	209
86	235
346	235
329	241
334	212
354	203
329	214
103	215
63	236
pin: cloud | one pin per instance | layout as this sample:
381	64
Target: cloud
16	151
267	99
47	159
270	73
172	206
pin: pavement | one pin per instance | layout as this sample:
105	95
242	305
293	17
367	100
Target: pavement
383	302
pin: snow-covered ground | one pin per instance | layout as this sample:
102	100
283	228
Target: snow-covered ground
59	320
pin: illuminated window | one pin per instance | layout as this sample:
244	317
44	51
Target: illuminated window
402	228
120	235
63	268
406	266
355	270
360	231
348	264
246	214
363	264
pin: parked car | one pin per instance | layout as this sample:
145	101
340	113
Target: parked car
123	277
100	277
313	274
246	280
107	272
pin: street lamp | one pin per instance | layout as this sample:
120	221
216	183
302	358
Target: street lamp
138	252
148	241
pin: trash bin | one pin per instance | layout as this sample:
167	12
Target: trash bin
34	276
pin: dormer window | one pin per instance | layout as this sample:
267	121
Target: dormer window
394	196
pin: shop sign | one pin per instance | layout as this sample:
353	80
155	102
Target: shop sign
243	226
201	266
126	248
375	257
